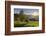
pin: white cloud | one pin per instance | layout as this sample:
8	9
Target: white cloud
34	13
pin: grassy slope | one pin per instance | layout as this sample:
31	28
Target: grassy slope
26	24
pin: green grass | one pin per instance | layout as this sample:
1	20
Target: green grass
26	24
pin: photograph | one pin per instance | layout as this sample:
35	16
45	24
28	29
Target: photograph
26	17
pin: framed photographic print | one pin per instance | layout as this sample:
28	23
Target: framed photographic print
24	17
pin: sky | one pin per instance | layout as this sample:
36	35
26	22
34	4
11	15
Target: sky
27	11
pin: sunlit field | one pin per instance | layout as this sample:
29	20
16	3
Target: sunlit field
26	24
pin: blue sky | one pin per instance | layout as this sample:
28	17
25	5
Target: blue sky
28	11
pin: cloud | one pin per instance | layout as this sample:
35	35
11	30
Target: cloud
33	12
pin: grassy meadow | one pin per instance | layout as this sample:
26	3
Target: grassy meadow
26	24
